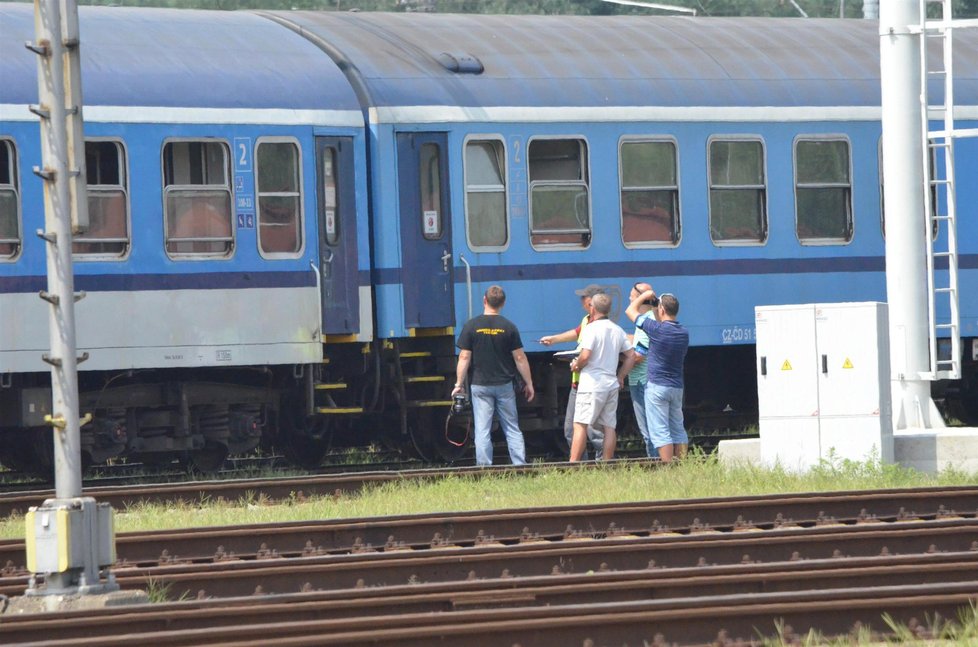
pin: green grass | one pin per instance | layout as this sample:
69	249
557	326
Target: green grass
699	476
934	631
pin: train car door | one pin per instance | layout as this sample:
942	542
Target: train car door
337	236
426	230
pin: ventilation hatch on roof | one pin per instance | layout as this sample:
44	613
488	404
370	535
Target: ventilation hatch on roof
461	63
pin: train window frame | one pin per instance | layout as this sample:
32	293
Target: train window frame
13	188
122	163
503	188
936	225
763	203
674	188
848	188
299	194
586	233
230	240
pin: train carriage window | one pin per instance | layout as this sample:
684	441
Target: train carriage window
485	194
560	199
108	200
649	192
279	198
431	216
935	224
823	191
738	192
9	202
197	198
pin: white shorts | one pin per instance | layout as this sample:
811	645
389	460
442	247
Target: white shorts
597	408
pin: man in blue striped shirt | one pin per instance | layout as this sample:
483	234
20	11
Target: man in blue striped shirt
668	343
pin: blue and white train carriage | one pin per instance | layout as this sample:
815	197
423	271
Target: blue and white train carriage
734	162
221	167
294	212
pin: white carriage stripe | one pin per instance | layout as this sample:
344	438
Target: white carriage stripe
170	115
450	114
459	114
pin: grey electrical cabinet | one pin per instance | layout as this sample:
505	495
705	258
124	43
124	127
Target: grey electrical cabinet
823	383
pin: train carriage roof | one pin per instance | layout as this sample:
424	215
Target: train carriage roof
577	61
170	58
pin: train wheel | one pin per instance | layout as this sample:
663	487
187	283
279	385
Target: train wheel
436	438
307	441
208	459
456	440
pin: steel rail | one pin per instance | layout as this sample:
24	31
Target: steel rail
601	587
695	620
509	526
233	578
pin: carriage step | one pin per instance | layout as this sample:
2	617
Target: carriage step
339	410
425	378
415	354
429	403
330	386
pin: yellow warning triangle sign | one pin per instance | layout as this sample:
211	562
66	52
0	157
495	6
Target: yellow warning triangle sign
786	366
847	364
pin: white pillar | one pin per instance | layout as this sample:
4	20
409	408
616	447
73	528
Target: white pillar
906	230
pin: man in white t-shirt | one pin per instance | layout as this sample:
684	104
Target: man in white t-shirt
602	343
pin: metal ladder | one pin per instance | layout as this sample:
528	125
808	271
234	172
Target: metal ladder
940	183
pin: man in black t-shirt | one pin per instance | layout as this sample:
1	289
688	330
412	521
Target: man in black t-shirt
491	346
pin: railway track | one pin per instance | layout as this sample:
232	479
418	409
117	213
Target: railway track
462	529
687	599
685	572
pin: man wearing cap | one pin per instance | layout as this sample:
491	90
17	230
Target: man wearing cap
638	377
595	436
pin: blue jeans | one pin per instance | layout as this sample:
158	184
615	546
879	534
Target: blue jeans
499	399
637	392
664	413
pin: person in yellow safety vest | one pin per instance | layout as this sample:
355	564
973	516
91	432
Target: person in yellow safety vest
595	436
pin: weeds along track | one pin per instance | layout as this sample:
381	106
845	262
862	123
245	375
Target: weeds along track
687	570
280	488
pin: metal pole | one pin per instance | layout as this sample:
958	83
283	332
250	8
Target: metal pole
69	538
57	233
906	231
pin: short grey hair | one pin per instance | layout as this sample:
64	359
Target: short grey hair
601	303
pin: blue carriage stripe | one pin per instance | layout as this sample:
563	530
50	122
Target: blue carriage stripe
147	282
703	267
482	274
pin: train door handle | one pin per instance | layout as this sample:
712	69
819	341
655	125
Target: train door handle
327	264
763	365
825	364
447	256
